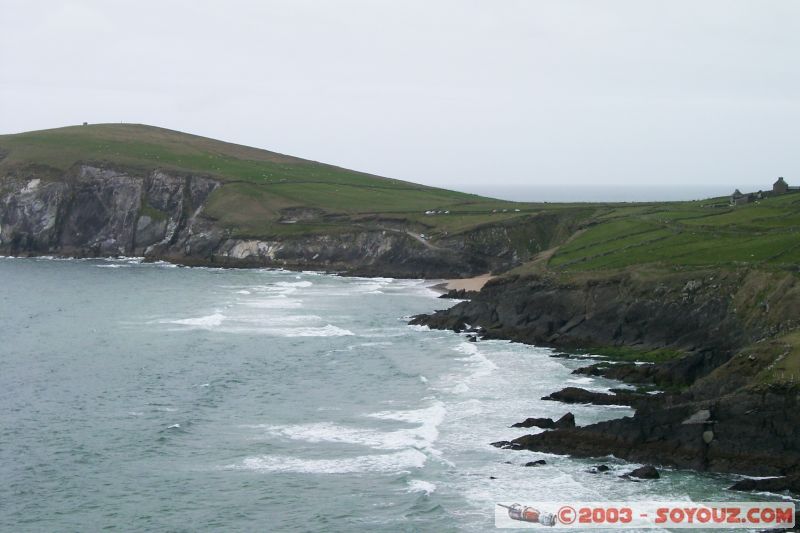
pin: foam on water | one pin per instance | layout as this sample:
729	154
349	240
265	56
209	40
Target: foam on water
275	319
208	321
477	365
417	485
326	331
276	302
581	381
420	437
294	284
401	461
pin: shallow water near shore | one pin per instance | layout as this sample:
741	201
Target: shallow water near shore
146	396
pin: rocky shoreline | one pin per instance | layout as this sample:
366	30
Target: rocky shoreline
712	339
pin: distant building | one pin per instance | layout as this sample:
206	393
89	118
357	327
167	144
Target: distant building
737	198
781	187
778	188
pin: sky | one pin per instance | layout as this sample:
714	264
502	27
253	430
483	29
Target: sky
527	99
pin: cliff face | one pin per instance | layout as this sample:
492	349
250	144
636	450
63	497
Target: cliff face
94	211
724	412
685	311
98	212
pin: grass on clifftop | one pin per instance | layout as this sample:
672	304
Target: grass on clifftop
262	188
689	234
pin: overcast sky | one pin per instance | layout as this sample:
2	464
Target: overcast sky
464	94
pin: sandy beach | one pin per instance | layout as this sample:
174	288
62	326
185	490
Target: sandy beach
469	284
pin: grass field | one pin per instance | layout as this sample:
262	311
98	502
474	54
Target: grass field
689	234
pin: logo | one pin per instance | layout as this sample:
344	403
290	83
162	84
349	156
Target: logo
649	514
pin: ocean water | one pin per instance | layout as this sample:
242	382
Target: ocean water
151	397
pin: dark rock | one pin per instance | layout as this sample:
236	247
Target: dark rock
472	338
545	423
506	445
775	484
459	294
754	432
579	395
644	472
540	462
566	421
598	469
459	326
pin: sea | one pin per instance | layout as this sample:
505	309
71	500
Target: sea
150	397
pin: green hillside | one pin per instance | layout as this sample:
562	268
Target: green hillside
261	186
689	234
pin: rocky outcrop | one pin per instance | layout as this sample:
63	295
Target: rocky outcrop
643	472
754	432
706	315
578	395
717	414
94	211
566	421
773	484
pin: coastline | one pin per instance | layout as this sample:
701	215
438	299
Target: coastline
691	342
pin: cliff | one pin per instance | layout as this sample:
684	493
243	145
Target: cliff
101	211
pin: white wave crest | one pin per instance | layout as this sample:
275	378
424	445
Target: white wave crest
417	485
294	284
393	462
209	321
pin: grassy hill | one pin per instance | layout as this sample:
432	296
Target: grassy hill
266	194
261	186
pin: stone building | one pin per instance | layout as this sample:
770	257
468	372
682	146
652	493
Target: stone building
781	187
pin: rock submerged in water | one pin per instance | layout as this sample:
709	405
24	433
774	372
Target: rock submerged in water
644	472
507	445
599	469
540	462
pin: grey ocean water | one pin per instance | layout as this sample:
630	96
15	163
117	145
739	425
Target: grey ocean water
150	397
